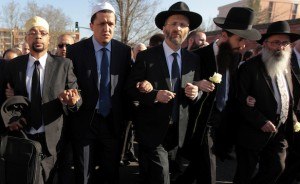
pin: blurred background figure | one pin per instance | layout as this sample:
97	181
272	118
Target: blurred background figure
25	48
11	53
246	56
156	39
196	39
138	48
257	50
64	41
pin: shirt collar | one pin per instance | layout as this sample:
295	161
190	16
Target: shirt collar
216	47
98	46
168	51
42	60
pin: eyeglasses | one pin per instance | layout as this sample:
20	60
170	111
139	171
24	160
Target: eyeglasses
279	43
63	45
178	24
35	33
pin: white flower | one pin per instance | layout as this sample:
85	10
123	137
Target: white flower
297	127
216	78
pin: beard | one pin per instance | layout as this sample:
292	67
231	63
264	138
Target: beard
38	50
227	57
176	41
276	61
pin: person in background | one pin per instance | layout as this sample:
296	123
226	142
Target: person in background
63	42
11	53
156	39
138	48
25	48
196	39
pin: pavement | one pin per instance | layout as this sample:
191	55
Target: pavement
225	172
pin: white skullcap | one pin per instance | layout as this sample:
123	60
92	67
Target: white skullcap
36	21
102	6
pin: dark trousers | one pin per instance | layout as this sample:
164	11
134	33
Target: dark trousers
271	160
202	166
154	162
97	157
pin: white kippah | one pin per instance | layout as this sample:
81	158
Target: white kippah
36	21
102	6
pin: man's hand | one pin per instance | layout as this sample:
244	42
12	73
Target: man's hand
69	97
268	127
144	86
205	85
9	91
164	96
191	91
250	101
17	125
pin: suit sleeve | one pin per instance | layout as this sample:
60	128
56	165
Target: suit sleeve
251	114
138	74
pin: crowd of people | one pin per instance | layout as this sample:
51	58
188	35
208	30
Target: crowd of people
180	98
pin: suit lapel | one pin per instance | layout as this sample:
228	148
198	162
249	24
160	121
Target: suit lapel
164	66
49	67
288	77
114	66
295	67
91	63
22	73
185	69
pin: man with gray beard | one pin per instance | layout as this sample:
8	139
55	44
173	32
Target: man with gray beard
266	128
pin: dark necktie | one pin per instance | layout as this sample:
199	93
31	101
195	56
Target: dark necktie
104	98
36	98
221	93
175	81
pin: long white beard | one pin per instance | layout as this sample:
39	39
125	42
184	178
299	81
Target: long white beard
276	62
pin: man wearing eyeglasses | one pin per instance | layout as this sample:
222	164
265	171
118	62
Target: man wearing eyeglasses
267	127
64	41
162	116
50	84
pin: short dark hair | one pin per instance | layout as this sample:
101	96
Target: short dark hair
102	11
156	39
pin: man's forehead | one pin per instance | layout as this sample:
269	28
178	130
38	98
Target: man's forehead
38	28
279	37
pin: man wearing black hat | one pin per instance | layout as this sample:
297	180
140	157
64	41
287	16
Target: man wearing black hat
266	128
161	120
216	109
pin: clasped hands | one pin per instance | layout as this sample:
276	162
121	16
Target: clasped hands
69	97
164	96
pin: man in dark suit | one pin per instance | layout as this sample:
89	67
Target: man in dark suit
215	112
162	116
2	91
291	172
102	66
266	128
50	84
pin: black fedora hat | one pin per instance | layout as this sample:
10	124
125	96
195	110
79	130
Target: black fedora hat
14	108
279	27
239	21
179	8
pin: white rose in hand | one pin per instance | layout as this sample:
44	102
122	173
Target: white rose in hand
297	127
216	78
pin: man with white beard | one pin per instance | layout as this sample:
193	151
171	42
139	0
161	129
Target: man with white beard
266	127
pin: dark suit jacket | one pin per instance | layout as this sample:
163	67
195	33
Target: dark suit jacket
85	68
208	66
253	80
2	91
58	77
296	80
152	119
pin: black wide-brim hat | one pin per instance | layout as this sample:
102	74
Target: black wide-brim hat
179	8
14	108
239	21
279	27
